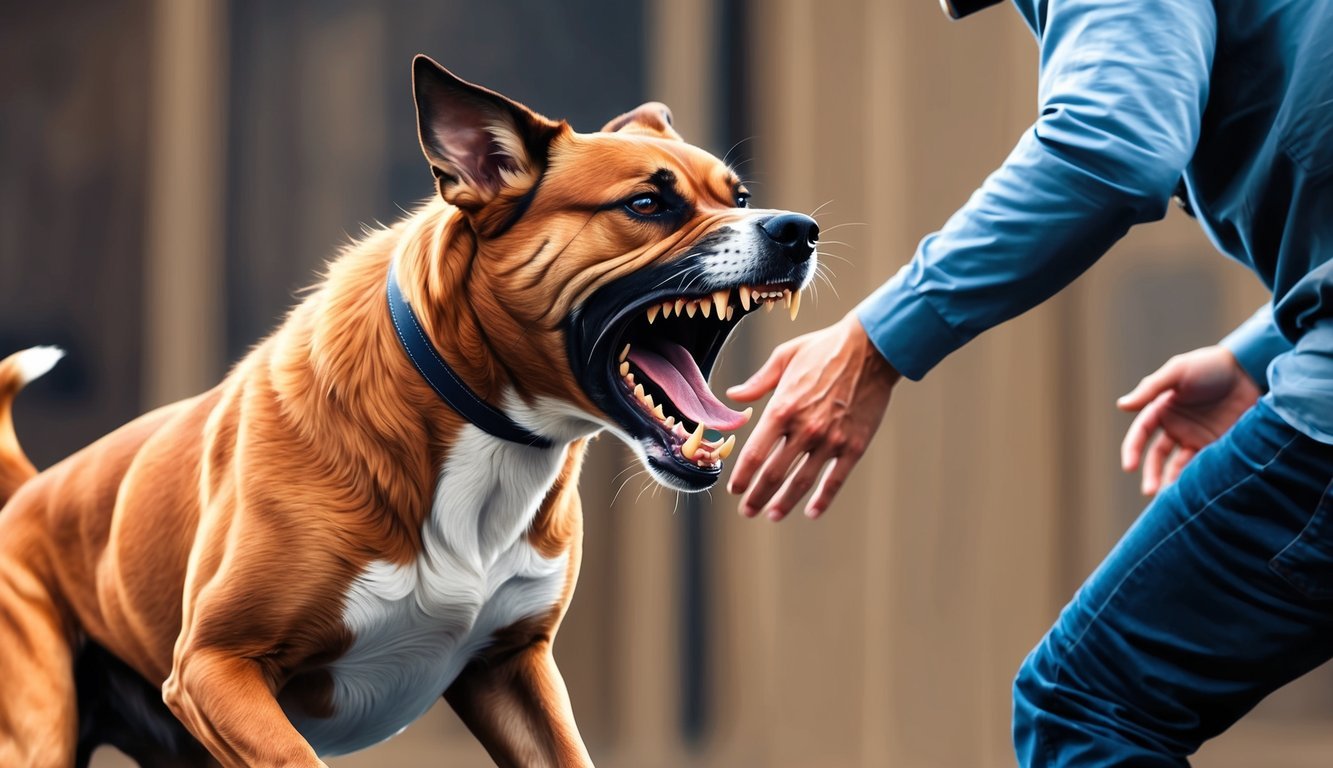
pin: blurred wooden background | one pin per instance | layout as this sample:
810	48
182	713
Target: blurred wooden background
171	171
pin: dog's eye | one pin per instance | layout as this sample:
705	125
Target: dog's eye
742	199
645	205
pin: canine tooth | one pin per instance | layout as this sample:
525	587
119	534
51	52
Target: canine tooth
638	391
691	446
744	292
727	445
659	413
721	300
690	307
652	313
795	304
730	311
706	306
624	368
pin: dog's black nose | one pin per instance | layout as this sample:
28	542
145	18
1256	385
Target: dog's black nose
794	233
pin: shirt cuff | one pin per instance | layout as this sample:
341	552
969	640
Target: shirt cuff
906	329
1255	343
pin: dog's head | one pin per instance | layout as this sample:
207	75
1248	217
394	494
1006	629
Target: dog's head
621	260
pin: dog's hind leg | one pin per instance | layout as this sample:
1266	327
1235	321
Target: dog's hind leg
38	713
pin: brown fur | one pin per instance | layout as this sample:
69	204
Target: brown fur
207	544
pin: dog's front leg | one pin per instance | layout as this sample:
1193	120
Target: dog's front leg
519	710
229	705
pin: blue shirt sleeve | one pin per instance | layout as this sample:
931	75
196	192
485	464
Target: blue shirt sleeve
1122	91
1255	343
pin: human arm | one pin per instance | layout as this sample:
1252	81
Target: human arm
1122	93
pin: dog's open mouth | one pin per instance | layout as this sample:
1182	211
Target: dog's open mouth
663	361
643	349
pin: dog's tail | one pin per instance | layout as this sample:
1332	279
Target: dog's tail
15	372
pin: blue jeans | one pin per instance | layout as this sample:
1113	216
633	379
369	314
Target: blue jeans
1221	592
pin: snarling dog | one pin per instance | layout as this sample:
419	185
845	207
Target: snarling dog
378	505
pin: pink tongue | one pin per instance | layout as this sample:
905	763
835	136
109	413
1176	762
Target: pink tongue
674	370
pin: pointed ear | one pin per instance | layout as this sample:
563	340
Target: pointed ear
480	145
651	119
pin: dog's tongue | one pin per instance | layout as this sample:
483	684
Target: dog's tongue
673	368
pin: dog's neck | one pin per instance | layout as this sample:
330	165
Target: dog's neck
353	389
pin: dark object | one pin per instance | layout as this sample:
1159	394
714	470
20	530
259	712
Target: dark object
957	9
442	378
794	233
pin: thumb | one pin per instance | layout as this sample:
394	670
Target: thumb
766	378
1152	385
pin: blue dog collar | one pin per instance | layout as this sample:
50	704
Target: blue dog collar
443	380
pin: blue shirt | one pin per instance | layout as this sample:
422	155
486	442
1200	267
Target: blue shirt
1235	98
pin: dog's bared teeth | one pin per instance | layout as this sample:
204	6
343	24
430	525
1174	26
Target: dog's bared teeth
730	312
638	391
680	306
725	449
721	300
652	313
659	413
690	307
706	306
647	401
795	304
624	368
667	309
744	292
624	354
691	446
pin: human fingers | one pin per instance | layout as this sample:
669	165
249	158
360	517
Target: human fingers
1152	385
767	377
1153	461
1144	425
800	481
767	435
832	482
771	476
1176	464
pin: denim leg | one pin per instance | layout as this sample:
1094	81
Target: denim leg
1221	592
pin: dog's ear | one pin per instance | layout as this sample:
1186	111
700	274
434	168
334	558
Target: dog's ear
480	145
651	119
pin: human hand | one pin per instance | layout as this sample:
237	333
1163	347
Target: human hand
832	388
1187	403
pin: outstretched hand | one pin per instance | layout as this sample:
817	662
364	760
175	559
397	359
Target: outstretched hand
831	389
1183	406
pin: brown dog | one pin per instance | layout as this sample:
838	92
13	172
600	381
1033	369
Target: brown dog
303	559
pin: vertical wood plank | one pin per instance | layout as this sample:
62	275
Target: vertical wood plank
183	332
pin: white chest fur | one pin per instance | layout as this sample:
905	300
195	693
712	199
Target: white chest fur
415	626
